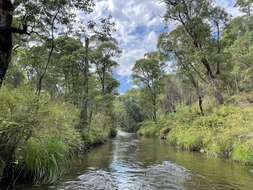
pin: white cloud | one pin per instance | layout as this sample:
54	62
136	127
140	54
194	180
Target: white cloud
138	23
229	5
128	59
128	16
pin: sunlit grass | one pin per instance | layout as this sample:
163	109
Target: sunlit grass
224	131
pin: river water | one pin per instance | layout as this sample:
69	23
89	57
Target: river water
129	163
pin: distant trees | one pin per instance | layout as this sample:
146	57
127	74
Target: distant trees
148	74
102	58
130	113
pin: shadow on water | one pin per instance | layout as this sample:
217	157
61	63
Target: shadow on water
129	163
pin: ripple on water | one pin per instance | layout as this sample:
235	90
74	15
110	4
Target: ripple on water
163	176
92	180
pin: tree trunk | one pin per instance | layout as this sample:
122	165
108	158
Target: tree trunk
214	81
39	86
200	105
103	80
213	77
6	9
84	120
154	107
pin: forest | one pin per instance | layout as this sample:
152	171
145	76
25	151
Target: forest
59	93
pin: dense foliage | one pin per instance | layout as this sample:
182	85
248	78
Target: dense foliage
205	103
56	100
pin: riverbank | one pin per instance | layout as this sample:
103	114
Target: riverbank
40	136
225	131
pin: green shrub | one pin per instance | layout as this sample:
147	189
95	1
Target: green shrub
220	142
188	139
102	121
101	128
60	119
94	136
149	129
243	152
192	142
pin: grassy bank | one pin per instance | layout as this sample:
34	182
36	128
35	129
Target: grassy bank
226	131
39	136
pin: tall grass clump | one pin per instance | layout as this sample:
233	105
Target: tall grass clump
243	152
46	158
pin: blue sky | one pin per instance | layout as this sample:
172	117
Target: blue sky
138	24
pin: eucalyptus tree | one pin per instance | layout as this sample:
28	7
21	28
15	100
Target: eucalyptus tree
202	24
34	17
174	45
148	73
102	57
94	34
67	66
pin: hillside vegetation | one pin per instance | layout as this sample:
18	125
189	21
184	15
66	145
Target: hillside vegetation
226	131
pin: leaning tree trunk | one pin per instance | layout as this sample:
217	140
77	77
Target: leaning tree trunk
6	17
201	105
41	78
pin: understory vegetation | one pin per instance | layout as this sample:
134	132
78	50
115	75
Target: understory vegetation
226	131
41	135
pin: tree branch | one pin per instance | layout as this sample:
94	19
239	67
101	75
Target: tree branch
20	31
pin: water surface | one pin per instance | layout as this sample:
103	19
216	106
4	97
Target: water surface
129	163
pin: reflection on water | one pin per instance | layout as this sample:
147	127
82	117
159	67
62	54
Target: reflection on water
129	163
